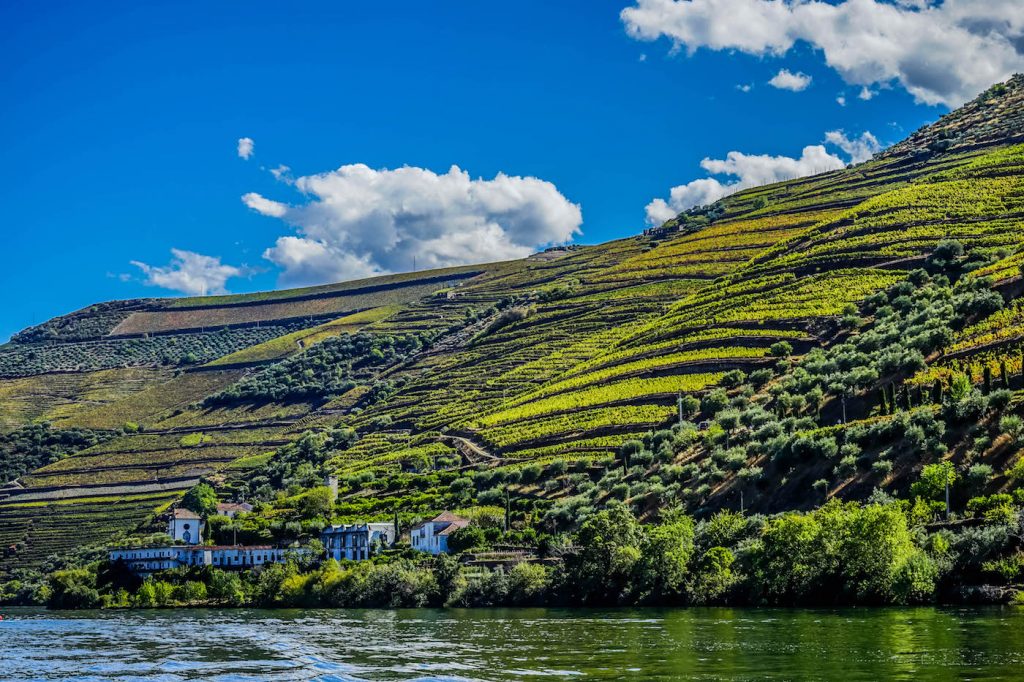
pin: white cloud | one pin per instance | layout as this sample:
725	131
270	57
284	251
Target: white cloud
245	147
859	149
744	87
750	170
754	170
360	221
191	273
841	99
787	80
941	53
261	204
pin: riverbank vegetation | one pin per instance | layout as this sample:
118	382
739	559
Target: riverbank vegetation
883	552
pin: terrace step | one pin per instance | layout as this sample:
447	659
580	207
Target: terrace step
102	489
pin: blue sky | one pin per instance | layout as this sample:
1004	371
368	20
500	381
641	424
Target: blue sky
120	126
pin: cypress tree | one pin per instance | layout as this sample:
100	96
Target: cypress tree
883	401
508	510
987	377
1004	376
906	394
937	392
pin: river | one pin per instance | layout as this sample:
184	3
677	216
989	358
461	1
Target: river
514	644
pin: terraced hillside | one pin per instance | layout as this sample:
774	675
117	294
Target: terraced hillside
700	359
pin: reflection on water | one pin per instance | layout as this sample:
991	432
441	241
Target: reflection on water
514	644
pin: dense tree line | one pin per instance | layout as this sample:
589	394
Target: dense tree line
298	465
875	553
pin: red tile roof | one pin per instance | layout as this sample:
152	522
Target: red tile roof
449	517
234	506
454	522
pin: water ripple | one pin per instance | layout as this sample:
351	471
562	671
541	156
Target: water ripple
506	644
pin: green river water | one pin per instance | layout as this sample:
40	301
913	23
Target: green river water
515	644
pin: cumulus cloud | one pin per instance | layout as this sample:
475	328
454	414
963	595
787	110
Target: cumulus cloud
787	80
859	149
358	221
191	273
261	204
754	170
941	53
245	147
750	170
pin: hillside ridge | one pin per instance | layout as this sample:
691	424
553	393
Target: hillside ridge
791	343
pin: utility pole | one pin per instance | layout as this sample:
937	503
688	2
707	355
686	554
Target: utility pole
679	403
947	496
508	509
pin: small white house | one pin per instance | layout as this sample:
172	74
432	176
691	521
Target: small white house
357	541
185	525
432	536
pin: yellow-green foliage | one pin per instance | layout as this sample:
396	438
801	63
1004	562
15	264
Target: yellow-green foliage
1005	324
911	220
620	391
1007	161
736	334
776	299
389	457
639	416
190	440
645	366
1004	268
251	461
669	289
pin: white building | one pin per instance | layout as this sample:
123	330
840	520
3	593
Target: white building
150	559
185	525
432	536
357	541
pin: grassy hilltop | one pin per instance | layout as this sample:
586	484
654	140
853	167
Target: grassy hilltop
820	338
